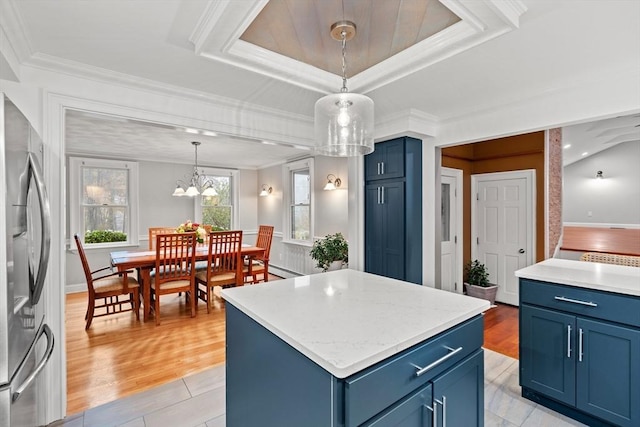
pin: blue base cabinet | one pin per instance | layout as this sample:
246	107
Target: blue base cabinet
393	210
270	383
580	352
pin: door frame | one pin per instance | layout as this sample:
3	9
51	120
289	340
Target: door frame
457	175
530	184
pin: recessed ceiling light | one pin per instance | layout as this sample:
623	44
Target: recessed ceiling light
585	153
566	146
268	142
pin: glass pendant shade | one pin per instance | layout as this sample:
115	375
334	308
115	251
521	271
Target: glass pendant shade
344	125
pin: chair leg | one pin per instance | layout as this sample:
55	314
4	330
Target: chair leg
89	316
157	307
136	303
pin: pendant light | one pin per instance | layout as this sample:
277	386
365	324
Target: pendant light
344	120
198	184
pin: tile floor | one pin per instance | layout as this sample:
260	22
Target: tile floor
198	401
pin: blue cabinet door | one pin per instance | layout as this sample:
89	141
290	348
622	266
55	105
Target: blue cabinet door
547	353
386	161
458	395
608	373
385	229
412	411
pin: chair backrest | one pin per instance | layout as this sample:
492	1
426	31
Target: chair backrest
225	254
265	236
606	258
154	231
175	256
85	263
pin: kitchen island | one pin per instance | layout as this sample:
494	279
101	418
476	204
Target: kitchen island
348	348
580	340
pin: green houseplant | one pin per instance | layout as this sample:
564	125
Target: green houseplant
334	248
477	283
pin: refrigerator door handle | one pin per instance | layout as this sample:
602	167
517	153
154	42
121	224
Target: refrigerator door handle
44	329
38	283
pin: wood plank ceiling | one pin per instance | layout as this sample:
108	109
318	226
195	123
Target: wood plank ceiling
300	29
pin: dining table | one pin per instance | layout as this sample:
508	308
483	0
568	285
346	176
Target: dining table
145	261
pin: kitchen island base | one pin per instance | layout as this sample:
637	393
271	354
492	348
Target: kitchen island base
270	383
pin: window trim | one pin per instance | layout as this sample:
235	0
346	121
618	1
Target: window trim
287	170
75	190
235	195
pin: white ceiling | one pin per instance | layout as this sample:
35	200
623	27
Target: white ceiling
499	53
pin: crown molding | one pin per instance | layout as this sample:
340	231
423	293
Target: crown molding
13	28
406	121
217	37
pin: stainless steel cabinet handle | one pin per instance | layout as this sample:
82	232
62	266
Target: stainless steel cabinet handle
45	246
452	352
444	411
444	417
382	167
435	412
569	341
378	191
378	168
382	195
44	329
426	407
580	344
576	301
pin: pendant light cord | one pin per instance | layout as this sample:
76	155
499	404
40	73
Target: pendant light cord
344	61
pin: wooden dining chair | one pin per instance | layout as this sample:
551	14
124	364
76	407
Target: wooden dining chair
108	289
259	265
154	231
224	264
174	272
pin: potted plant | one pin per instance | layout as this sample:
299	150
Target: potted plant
330	253
477	283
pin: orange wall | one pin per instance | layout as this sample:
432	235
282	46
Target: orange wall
499	155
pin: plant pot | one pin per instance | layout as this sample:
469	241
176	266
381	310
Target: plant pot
488	293
335	265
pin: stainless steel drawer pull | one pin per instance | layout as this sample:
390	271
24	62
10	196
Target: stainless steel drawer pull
576	301
452	352
569	341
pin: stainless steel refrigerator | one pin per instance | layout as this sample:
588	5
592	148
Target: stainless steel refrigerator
26	342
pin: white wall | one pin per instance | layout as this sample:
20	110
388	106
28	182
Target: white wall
330	213
614	200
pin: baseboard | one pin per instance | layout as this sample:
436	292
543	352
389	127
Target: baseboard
72	289
282	272
600	225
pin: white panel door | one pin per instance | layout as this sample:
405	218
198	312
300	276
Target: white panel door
503	227
451	228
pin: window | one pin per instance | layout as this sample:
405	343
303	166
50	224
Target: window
103	201
218	211
299	198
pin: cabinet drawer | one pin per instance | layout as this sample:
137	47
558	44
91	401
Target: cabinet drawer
392	379
587	302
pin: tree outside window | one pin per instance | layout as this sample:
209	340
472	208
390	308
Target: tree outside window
218	210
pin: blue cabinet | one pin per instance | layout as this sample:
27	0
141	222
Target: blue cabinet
436	383
574	358
393	210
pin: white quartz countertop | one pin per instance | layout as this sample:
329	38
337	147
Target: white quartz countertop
592	275
347	320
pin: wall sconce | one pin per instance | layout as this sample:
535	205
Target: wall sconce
599	175
266	190
332	184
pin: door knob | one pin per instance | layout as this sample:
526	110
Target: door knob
521	251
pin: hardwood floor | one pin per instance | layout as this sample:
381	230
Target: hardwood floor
120	356
501	330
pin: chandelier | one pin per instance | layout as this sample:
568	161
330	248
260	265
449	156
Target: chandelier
198	184
344	121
